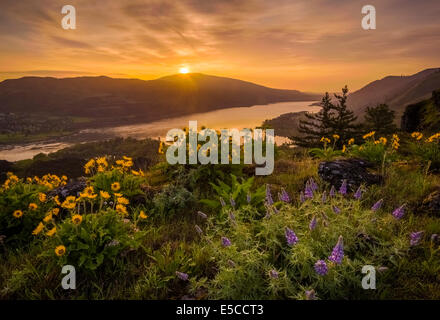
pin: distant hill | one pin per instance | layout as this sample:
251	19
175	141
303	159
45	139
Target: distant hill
108	100
396	91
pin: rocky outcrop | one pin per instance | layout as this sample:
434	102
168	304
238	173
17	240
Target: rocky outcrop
73	188
353	170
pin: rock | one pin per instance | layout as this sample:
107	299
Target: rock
431	204
73	188
353	170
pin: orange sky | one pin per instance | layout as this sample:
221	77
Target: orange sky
313	45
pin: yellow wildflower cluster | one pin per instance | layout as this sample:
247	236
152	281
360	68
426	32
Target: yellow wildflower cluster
121	209
433	137
124	164
10	181
69	203
325	140
395	142
49	180
351	141
382	140
370	134
88	193
138	173
417	135
161	148
336	137
96	165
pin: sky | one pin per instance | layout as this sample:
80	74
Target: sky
310	45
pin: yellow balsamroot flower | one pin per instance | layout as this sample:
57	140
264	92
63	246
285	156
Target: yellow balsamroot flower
161	148
42	197
325	140
104	195
55	211
142	215
64	178
38	229
33	206
351	141
57	200
51	232
17	214
127	158
417	135
383	140
336	137
433	137
116	186
47	218
135	173
123	201
88	192
395	142
29	180
76	219
370	134
121	209
69	203
60	250
102	162
344	148
101	169
89	165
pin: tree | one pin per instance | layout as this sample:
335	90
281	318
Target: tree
380	119
332	119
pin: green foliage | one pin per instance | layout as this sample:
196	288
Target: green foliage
172	200
332	119
99	239
239	192
380	119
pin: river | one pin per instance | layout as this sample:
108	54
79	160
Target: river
239	118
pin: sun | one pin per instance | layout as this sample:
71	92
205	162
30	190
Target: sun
184	70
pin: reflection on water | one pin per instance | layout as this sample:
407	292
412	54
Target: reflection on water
239	118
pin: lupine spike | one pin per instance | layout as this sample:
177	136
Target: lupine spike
332	192
284	196
358	194
226	242
399	212
338	251
232	201
324	197
269	199
182	276
312	224
336	209
377	205
415	238
291	237
222	202
202	215
301	197
321	267
343	188
248	198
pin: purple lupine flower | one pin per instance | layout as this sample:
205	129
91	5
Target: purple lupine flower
275	210
377	205
273	274
202	215
434	237
291	237
231	263
343	188
231	216
321	267
358	194
312	224
248	198
226	242
182	276
269	199
232	201
313	184
338	252
415	238
284	196
308	192
222	202
324	197
301	197
332	192
336	209
267	216
310	295
399	212
198	229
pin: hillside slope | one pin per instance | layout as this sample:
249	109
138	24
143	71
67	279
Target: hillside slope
396	91
118	99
